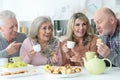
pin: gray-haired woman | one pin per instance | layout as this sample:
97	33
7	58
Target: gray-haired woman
40	33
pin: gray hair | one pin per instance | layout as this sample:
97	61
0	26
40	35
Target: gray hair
36	24
6	14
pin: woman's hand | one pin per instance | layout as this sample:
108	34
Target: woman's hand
54	58
66	51
31	54
76	57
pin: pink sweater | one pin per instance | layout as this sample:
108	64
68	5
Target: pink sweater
38	59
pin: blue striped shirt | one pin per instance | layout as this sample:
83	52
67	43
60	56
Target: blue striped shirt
113	42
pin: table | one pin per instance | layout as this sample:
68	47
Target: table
112	74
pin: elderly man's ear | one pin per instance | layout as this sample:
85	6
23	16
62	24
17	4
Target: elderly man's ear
112	20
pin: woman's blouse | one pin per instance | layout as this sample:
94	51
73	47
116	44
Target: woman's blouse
40	58
81	49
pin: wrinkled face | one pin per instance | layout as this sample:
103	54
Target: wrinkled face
9	28
103	24
45	31
79	28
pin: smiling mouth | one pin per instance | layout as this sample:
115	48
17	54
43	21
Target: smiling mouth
99	31
81	32
47	36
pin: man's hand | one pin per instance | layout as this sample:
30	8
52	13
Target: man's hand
103	49
13	48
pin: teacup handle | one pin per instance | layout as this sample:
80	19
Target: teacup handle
109	62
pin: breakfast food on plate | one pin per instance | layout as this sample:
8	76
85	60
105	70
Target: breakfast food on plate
99	40
17	72
11	73
16	68
68	69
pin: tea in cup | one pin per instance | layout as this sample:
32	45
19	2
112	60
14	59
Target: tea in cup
37	47
70	44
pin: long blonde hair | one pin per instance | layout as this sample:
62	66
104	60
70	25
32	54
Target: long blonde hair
89	32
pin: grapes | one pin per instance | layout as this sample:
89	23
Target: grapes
11	66
15	65
7	64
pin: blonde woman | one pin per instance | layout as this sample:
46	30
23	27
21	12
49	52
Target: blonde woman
79	31
41	33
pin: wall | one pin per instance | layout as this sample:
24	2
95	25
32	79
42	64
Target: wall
1	4
27	10
56	9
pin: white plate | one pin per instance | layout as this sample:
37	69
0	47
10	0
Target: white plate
16	69
66	75
30	72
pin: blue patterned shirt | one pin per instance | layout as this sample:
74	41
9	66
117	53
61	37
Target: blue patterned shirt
113	42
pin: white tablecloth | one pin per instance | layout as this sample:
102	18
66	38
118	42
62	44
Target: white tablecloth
112	74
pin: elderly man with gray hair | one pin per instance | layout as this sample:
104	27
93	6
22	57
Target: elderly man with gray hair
108	26
10	39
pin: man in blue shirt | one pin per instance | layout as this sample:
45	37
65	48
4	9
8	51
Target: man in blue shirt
108	28
10	39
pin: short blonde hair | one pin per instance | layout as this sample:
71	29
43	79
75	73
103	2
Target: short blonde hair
89	33
36	24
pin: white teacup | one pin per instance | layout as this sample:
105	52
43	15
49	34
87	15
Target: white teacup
70	44
3	61
37	47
